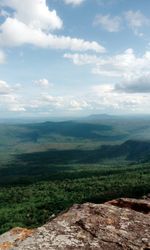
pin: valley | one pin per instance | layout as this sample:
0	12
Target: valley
47	167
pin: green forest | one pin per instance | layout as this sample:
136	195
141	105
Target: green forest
45	171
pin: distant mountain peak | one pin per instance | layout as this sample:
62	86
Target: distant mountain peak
100	116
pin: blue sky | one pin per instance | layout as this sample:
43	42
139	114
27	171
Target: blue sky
74	57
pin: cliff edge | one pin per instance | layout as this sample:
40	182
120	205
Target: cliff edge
118	224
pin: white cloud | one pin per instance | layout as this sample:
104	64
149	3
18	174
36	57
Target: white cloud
65	103
9	100
74	2
13	104
82	59
127	72
35	14
109	23
43	83
53	101
15	33
139	84
31	26
100	98
76	105
106	99
136	20
125	65
4	88
102	88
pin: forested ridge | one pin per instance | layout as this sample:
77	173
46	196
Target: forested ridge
42	177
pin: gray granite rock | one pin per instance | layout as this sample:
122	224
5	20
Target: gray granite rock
115	225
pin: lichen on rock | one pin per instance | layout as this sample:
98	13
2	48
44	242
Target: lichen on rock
115	225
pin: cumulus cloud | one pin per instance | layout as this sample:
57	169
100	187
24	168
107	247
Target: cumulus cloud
31	25
104	98
13	103
35	14
9	100
126	71
43	83
109	23
102	88
65	103
53	101
74	2
125	65
12	99
136	20
4	88
76	105
82	59
100	98
139	84
16	33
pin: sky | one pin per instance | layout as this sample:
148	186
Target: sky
74	57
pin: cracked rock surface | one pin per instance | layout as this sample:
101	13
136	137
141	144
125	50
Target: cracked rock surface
115	225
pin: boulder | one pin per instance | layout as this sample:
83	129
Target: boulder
115	225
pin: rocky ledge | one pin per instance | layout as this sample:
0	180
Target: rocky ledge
115	225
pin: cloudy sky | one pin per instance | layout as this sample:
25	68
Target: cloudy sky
74	57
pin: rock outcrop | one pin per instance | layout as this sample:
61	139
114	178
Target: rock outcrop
14	237
115	225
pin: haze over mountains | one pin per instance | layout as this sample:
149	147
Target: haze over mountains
90	140
96	158
74	115
97	127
